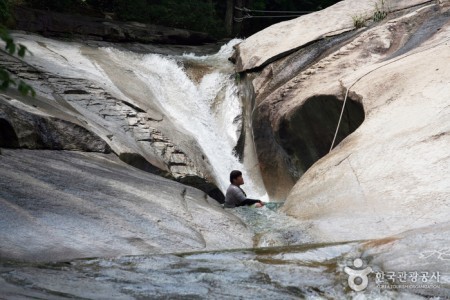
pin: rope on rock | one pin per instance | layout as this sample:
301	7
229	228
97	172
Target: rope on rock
340	118
388	63
244	9
249	16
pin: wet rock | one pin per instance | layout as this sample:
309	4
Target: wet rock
262	273
271	228
307	272
420	251
79	204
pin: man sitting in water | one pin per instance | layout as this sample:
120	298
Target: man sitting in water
235	196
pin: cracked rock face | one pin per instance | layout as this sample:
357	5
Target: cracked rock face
391	173
132	126
21	127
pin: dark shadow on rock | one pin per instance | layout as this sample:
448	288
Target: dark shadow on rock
20	128
238	150
307	135
8	137
210	189
431	25
138	161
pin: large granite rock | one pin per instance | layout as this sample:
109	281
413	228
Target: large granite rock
59	205
389	171
283	38
391	174
414	250
299	97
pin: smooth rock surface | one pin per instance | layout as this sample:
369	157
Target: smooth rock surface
418	249
424	250
282	38
299	97
252	273
392	174
59	205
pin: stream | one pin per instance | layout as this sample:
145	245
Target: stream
294	272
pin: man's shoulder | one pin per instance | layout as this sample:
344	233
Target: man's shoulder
232	187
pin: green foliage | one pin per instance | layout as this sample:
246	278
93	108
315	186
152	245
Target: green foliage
102	5
380	12
5	6
59	5
237	77
10	46
198	15
359	21
13	49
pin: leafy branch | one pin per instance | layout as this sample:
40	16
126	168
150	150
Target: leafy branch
20	50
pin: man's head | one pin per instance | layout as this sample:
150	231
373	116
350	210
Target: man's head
236	178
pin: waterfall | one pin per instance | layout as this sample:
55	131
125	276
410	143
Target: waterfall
208	106
209	110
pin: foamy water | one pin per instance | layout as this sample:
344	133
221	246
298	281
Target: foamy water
207	109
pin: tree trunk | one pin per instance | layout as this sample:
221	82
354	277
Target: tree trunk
229	17
237	27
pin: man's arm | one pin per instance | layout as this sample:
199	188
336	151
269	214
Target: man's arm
243	200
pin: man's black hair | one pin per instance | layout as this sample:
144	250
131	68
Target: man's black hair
235	174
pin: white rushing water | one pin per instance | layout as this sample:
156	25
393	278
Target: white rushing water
192	105
208	109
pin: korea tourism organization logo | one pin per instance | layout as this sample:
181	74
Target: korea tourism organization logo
358	278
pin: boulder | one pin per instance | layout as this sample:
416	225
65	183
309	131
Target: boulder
299	97
391	174
61	205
